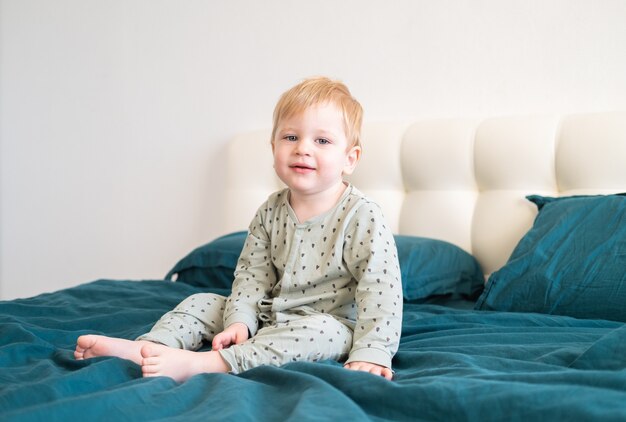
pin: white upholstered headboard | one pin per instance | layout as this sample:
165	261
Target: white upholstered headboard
459	180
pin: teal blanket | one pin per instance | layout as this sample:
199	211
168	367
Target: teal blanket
453	364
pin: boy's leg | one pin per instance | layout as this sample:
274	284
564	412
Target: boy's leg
196	319
310	337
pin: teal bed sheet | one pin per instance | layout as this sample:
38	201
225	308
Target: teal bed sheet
453	364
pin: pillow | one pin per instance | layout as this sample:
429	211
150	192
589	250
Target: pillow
429	267
211	265
432	267
571	262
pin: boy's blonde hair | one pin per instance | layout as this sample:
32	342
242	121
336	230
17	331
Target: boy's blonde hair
320	90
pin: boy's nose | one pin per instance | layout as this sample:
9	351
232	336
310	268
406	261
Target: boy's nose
303	147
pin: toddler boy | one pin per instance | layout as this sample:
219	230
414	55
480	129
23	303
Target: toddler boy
318	277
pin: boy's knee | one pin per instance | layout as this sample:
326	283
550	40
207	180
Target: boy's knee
201	299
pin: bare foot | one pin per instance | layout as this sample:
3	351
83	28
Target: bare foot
159	360
91	346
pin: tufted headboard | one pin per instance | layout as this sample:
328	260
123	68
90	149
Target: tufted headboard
459	180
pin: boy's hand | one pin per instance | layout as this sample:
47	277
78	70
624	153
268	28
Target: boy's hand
372	368
234	334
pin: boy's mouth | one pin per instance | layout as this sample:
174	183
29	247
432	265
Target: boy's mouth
301	167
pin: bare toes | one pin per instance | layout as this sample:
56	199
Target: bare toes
148	351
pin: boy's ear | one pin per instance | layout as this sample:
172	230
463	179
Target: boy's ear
352	158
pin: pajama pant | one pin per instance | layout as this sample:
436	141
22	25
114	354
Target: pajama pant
301	334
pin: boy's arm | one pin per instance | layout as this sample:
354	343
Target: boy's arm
255	277
371	256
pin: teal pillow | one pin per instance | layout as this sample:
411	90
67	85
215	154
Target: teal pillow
432	267
571	262
211	265
429	267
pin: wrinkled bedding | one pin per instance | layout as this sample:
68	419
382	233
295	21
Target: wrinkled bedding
454	363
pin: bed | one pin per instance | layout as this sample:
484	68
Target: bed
511	234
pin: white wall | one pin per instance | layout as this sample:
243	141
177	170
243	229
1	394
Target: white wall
114	114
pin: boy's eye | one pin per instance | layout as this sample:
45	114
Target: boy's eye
291	138
323	141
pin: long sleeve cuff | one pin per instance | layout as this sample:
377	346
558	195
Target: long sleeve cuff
372	355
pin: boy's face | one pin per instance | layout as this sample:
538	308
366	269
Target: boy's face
311	152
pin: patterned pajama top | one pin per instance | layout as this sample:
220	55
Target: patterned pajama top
343	263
